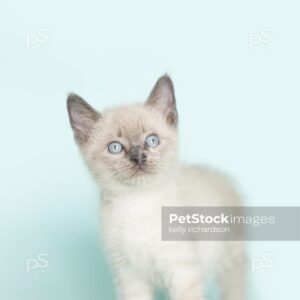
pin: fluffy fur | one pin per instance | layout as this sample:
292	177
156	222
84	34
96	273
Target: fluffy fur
132	197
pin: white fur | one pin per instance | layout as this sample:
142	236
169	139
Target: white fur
131	221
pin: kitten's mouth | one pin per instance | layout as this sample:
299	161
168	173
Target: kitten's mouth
136	174
140	169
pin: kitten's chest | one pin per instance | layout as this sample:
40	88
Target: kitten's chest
137	215
133	225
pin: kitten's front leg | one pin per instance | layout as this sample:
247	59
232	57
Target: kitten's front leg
131	286
233	275
186	283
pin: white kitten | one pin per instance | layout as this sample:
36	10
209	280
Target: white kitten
132	151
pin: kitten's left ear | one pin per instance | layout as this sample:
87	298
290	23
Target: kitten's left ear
162	98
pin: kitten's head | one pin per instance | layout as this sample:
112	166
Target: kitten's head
128	145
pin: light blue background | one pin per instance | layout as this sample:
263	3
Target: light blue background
238	105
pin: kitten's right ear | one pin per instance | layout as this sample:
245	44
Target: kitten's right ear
82	117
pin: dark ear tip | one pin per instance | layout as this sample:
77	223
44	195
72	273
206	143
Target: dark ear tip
166	81
72	97
74	101
166	78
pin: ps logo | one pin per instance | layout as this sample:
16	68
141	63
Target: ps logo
265	263
39	38
264	36
40	262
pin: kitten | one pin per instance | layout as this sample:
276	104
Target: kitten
132	152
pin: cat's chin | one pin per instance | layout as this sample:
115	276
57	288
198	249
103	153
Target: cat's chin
140	178
134	177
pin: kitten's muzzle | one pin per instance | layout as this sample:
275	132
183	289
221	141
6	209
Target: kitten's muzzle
138	156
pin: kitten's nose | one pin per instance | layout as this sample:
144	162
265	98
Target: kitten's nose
138	155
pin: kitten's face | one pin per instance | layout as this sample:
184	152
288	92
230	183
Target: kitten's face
128	145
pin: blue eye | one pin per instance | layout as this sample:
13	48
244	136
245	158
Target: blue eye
115	147
152	141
